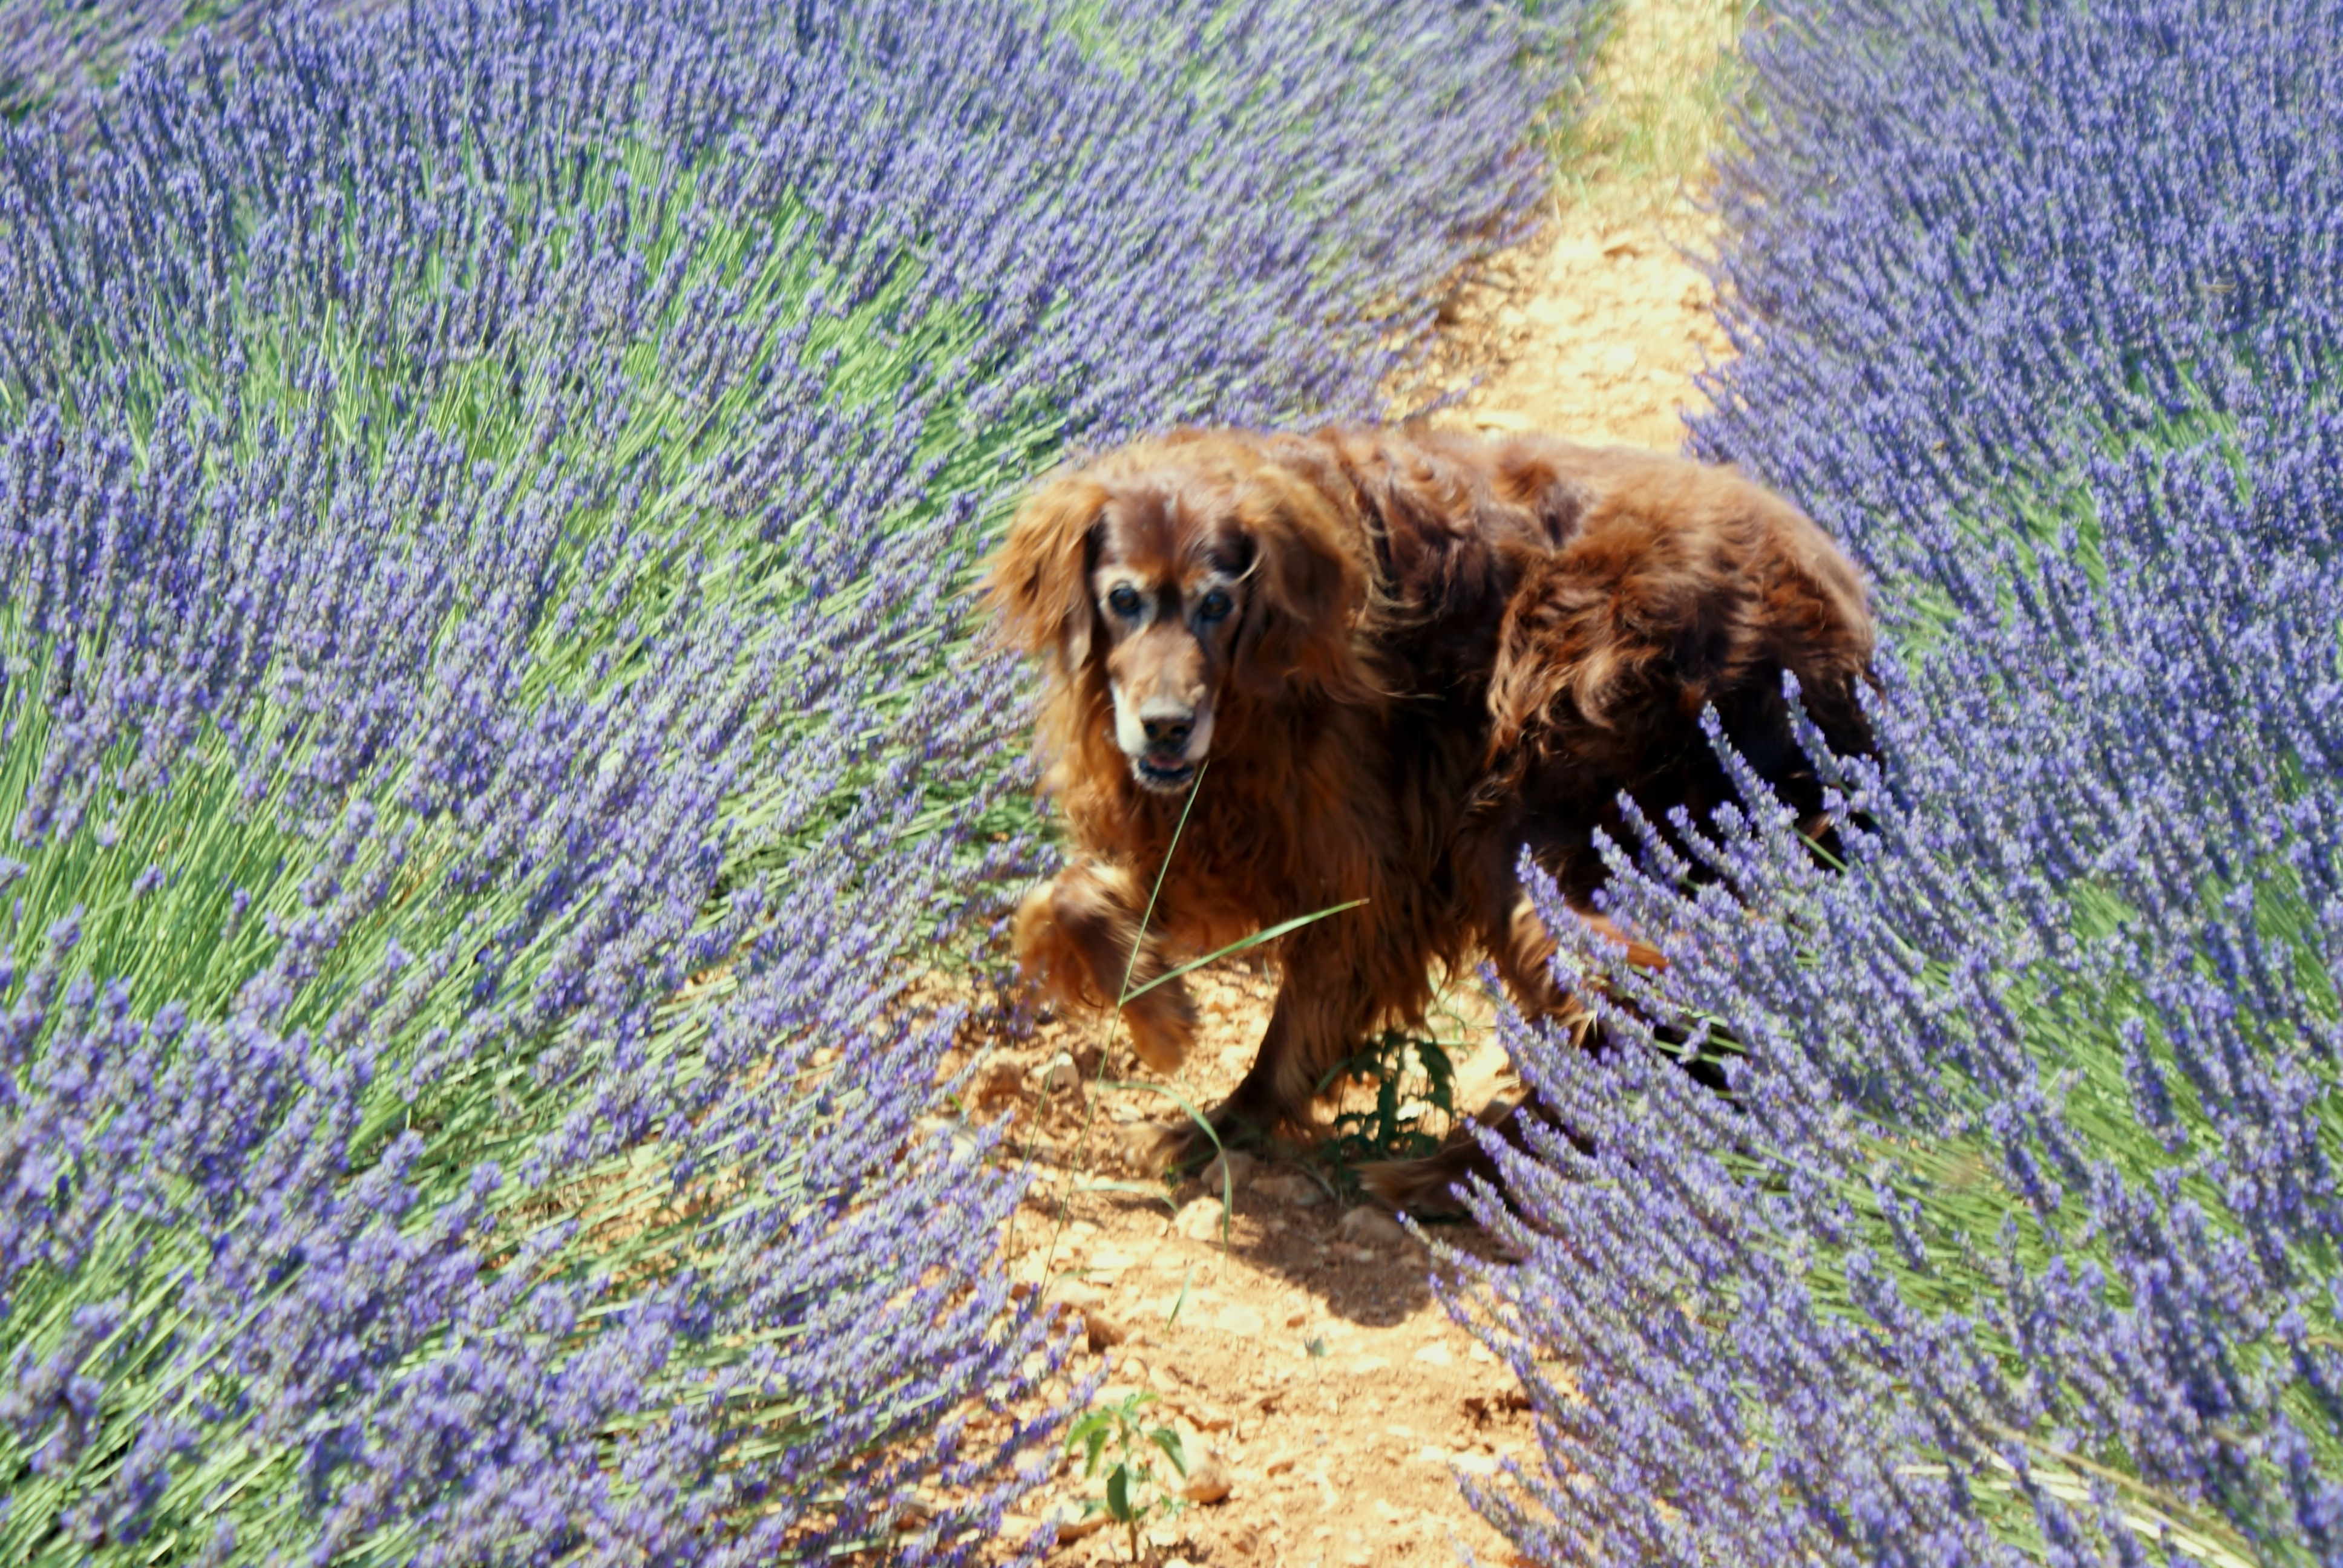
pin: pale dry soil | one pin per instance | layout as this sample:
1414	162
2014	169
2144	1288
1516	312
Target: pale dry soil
1294	1339
1594	330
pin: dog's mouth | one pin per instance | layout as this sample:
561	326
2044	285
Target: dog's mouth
1168	775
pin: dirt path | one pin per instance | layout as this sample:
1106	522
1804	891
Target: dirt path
1294	1340
1595	330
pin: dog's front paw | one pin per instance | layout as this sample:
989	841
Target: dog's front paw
1162	1025
1047	957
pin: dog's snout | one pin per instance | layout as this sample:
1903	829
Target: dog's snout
1168	728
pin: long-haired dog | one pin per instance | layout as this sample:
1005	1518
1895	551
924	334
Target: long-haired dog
1406	658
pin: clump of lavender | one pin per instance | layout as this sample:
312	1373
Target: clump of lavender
2017	1239
486	738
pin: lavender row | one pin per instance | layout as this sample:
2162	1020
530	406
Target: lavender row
487	735
2017	1239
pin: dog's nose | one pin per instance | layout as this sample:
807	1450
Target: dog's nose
1168	731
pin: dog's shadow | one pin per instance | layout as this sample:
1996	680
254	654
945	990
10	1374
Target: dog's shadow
1288	1221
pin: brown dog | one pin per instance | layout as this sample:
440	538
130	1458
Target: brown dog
1405	655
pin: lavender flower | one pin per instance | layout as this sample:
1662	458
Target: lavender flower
2017	1241
486	493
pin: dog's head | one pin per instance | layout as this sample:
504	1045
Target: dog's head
1175	573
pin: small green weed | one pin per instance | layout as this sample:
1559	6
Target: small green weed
1415	1104
1132	1489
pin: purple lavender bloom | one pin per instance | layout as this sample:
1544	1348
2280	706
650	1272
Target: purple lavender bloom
2016	1238
492	730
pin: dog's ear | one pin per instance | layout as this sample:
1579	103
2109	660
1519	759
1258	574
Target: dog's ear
1308	590
1039	579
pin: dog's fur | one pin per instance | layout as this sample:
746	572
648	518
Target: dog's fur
1404	656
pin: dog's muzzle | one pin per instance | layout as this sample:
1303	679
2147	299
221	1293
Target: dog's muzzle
1164	741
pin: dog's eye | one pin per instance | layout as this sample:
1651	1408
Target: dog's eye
1215	605
1123	600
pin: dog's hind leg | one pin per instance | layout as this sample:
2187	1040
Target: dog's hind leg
1078	935
1525	952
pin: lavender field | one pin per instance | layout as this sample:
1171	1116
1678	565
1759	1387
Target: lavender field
490	727
2017	1241
492	733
